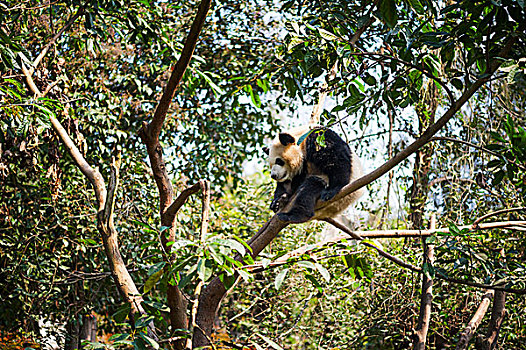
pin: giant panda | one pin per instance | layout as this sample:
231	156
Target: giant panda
307	170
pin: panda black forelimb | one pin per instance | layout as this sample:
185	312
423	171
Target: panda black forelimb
281	196
305	200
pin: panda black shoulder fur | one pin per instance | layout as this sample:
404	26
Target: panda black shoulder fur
311	171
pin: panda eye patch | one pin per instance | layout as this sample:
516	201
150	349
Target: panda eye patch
280	162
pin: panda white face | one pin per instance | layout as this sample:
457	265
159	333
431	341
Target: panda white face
285	158
278	170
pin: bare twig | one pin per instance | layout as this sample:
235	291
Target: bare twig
498	212
318	107
383	253
39	58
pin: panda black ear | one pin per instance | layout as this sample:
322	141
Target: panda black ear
266	150
286	139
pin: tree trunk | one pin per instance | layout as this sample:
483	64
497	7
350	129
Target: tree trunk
88	330
72	340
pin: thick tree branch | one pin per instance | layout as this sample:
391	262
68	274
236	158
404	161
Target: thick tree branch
498	312
214	291
93	174
149	134
473	324
173	209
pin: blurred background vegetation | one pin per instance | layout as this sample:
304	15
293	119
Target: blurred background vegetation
257	68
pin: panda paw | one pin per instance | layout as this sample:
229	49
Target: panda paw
329	194
295	217
279	203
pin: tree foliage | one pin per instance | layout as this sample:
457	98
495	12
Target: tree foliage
101	67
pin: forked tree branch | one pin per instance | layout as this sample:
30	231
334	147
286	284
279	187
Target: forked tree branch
498	212
473	324
498	312
149	134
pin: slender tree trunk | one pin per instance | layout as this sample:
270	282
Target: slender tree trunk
72	340
88	330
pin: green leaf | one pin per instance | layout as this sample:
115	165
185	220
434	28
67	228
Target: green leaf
143	321
327	35
228	281
457	83
280	278
122	312
498	177
314	282
270	342
232	244
216	89
428	269
254	97
155	273
203	271
307	265
388	12
417	6
149	341
323	271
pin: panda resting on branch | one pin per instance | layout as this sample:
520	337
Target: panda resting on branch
308	170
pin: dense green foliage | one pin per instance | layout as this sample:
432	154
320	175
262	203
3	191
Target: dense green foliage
255	63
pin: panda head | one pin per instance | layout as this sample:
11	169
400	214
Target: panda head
285	158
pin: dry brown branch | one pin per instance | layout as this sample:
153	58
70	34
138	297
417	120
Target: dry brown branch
43	53
426	297
448	179
473	324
